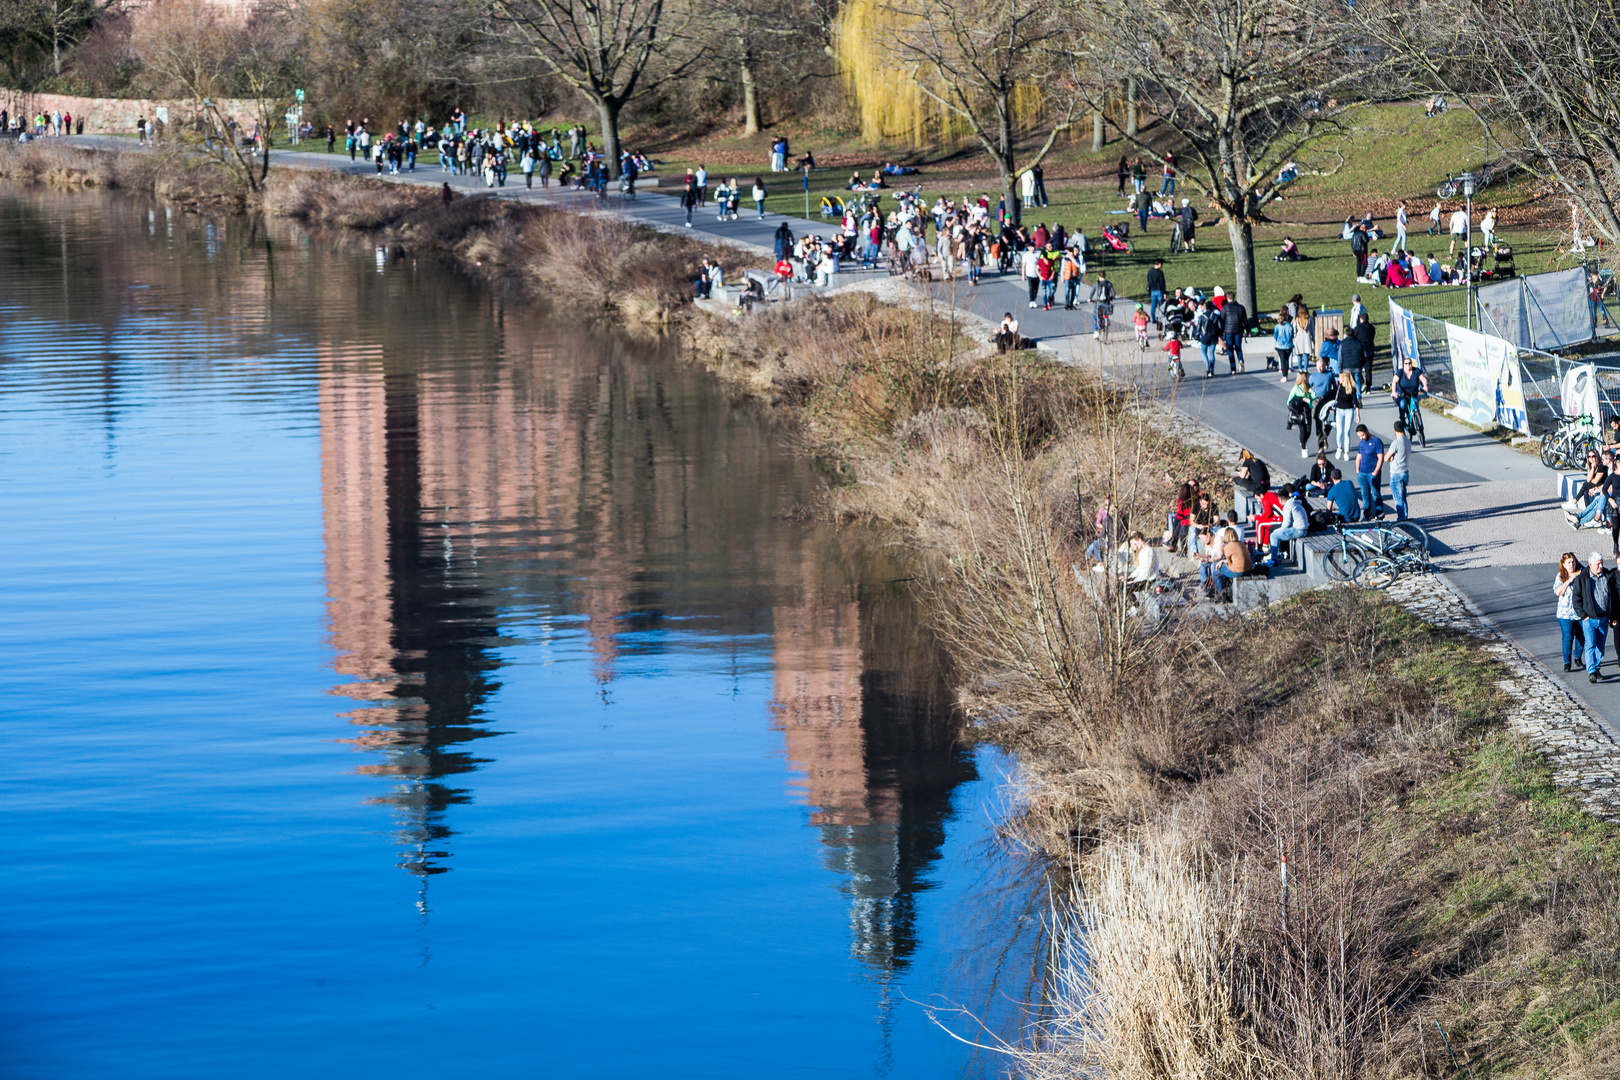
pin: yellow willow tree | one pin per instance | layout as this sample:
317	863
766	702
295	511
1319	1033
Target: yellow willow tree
998	71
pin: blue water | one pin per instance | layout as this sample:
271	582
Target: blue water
396	681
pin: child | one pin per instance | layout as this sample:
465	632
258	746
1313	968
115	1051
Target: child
1173	347
1140	321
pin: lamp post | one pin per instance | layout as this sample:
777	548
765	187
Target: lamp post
1467	180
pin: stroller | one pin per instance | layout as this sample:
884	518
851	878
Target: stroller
832	206
1117	237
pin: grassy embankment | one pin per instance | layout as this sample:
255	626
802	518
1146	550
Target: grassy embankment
1437	873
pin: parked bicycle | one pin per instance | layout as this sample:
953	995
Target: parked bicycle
1363	543
1567	447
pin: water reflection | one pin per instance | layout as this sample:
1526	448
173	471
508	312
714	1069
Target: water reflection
590	483
497	491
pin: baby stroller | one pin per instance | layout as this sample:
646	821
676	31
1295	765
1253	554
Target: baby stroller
832	206
1502	262
1117	237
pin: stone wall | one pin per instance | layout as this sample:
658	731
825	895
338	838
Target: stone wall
112	116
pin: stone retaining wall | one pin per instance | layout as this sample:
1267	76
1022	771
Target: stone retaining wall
112	116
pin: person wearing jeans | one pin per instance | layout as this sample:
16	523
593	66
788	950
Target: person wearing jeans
1294	522
1596	604
1369	458
1399	460
1564	587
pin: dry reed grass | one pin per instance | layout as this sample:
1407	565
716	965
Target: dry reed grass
1437	877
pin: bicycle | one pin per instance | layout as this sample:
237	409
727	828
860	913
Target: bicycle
1449	189
1411	411
1361	543
1568	446
1380	571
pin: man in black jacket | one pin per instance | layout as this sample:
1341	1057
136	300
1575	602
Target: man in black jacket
1597	604
1234	316
1156	289
1358	248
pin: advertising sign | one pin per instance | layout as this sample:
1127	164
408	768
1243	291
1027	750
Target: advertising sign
1578	393
1490	387
1403	335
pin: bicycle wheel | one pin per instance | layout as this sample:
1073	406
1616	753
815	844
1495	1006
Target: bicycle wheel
1580	446
1447	191
1416	411
1549	451
1342	563
1378	572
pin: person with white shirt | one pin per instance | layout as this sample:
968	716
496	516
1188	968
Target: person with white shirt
1487	228
702	179
1031	267
1400	228
1459	230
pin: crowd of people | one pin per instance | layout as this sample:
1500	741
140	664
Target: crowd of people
55	122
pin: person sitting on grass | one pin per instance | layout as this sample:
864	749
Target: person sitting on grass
1144	563
1396	277
1290	252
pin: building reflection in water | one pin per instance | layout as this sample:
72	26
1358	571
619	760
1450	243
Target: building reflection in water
581	482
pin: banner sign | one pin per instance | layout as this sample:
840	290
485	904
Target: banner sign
1403	335
1490	387
1579	394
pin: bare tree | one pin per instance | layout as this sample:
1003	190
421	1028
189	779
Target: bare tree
218	63
1000	68
1544	75
1243	86
611	51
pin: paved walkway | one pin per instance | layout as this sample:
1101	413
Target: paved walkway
1491	511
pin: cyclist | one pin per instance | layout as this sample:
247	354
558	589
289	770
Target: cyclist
1410	385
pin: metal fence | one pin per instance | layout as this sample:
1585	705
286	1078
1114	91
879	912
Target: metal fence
1542	373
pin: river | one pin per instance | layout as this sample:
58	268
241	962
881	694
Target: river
399	679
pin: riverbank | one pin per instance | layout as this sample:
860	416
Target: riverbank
1433	858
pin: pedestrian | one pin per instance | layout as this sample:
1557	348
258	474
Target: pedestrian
1400	227
1367	337
1487	228
1189	225
759	196
1138	176
1207	329
1122	173
1565	587
1459	231
1369	459
1399	459
689	201
1031	268
1040	184
1300	403
1347	412
1156	288
1282	340
1234	318
701	177
1358	249
527	165
1596	605
1169	186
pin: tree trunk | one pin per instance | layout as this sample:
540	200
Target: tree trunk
1096	131
750	92
607	111
1242	233
1131	126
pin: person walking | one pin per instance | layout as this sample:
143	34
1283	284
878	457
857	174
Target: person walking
1300	407
1169	185
1459	231
689	202
1346	413
1207	329
1039	174
701	177
1399	459
758	194
1282	340
1358	249
1138	176
1596	604
542	168
1030	267
1367	337
527	165
1234	317
1569	623
1156	288
1369	459
1122	173
1487	228
1400	228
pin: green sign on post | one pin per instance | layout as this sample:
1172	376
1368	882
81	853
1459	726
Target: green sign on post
299	94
